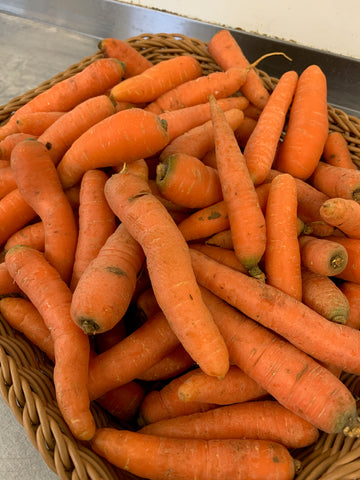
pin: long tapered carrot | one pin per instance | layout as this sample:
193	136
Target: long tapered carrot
104	291
96	222
170	270
7	181
125	136
40	186
156	80
336	151
293	378
282	260
280	312
95	79
336	181
352	292
7	284
51	296
247	222
227	53
191	459
344	214
35	123
262	145
322	255
307	128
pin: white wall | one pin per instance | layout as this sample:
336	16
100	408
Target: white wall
331	25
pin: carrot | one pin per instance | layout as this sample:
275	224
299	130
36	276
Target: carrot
156	80
322	295
136	353
170	270
253	111
50	295
223	239
32	235
104	341
352	270
187	181
210	158
4	163
94	79
135	63
40	186
35	123
244	130
247	222
322	255
351	290
7	284
262	419
344	214
123	402
21	314
336	181
191	459
336	151
235	387
221	255
293	378
7	181
105	288
199	140
59	137
146	304
9	142
307	129
227	53
262	145
96	222
125	136
282	254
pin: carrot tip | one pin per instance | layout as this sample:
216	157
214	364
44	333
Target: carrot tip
257	273
353	431
88	326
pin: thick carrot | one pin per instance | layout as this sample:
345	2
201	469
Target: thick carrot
223	239
262	145
7	181
352	270
7	284
322	295
307	128
32	235
9	142
135	63
187	181
170	270
199	140
95	79
227	53
96	222
293	378
157	457
262	419
4	163
123	402
344	214
244	130
336	151
40	186
59	137
336	181
322	255
51	296
125	136
352	292
21	314
156	80
221	255
247	222
35	123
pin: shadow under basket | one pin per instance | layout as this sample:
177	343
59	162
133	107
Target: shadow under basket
26	373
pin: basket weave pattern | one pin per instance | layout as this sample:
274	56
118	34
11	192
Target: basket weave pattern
26	373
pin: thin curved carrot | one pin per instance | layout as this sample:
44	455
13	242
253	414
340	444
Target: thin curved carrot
262	145
32	235
322	255
244	130
35	123
282	259
50	295
169	267
307	129
336	181
336	151
9	142
344	214
221	255
123	402
7	181
7	284
352	292
247	222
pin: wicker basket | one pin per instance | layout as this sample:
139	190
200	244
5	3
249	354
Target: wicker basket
26	373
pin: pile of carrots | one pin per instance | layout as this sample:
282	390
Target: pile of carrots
185	248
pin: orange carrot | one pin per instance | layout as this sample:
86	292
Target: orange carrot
170	270
156	80
123	402
344	214
8	143
40	186
96	222
227	53
187	181
157	457
32	235
322	295
7	284
7	181
221	255
247	223
146	304
135	63
262	145
50	295
307	129
352	292
336	151
265	419
59	137
244	130
35	123
352	270
104	341
210	158
282	254
222	239
105	288
21	314
4	163
336	181
253	111
322	255
125	136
